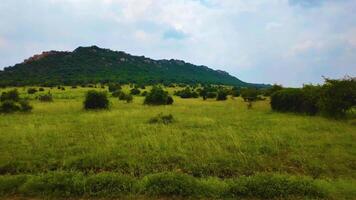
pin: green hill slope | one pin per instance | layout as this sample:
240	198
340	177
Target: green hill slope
94	64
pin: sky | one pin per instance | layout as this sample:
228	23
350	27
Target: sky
289	42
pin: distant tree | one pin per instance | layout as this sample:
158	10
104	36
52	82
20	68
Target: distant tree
221	95
249	95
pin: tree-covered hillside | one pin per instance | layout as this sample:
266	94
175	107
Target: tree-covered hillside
94	64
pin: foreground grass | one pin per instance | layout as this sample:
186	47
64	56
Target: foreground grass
221	145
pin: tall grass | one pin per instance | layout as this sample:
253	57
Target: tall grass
209	141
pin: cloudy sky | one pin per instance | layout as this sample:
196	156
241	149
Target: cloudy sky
290	42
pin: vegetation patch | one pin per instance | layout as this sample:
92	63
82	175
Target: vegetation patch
157	96
11	102
171	184
160	118
96	100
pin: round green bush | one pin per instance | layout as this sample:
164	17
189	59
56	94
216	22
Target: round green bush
157	96
96	100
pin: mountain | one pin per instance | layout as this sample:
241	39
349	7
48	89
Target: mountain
94	64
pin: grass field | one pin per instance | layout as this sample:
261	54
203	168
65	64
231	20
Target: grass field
213	149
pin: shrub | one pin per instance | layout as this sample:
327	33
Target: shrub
337	97
160	118
45	98
187	93
74	87
222	95
249	94
135	91
9	106
12	95
113	87
96	100
41	89
235	92
171	184
157	96
296	100
31	91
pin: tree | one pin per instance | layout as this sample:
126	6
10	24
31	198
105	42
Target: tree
249	95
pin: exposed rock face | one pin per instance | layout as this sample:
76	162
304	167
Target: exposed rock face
40	56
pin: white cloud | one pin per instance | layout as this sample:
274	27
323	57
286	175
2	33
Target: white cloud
250	39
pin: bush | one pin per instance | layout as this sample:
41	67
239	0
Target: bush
31	91
235	92
12	95
296	100
96	100
249	94
160	118
157	96
114	87
41	89
187	93
45	98
9	106
222	95
337	97
135	91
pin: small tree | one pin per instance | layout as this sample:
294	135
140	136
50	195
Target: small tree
338	96
157	96
222	95
96	100
249	95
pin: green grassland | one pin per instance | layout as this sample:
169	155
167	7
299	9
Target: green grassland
213	149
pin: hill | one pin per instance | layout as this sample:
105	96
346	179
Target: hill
94	64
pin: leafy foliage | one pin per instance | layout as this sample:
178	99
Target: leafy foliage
157	96
11	102
96	100
221	95
187	93
333	99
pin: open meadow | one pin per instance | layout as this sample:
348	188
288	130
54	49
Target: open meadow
212	149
